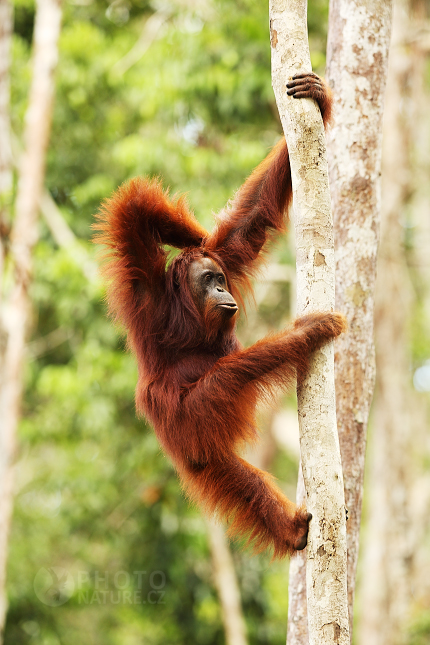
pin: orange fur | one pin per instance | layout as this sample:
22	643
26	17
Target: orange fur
197	385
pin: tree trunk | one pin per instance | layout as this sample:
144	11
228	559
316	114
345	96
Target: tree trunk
5	138
326	566
23	238
357	56
390	552
357	53
226	584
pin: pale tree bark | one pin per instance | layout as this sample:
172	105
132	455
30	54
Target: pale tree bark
419	50
357	53
419	210
392	543
297	633
226	584
16	306
419	502
357	57
326	566
5	134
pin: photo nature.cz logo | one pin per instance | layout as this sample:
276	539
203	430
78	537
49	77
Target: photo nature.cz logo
54	586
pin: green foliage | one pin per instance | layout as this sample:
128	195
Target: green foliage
95	495
419	633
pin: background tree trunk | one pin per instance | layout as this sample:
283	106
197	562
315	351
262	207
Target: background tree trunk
393	528
226	584
322	471
419	267
5	138
24	234
357	57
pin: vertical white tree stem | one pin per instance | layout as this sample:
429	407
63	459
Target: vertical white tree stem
24	235
326	566
225	580
357	54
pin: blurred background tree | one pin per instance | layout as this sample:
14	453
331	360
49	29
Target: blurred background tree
180	89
